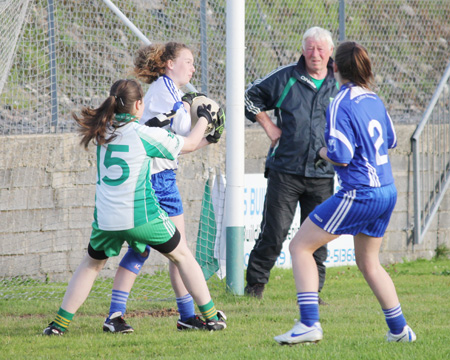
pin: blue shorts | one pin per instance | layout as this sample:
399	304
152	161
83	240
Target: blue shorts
166	190
366	211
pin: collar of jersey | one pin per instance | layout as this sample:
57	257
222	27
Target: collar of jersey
125	118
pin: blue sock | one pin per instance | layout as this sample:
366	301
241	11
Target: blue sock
186	307
308	303
118	302
395	319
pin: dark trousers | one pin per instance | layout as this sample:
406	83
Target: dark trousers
284	191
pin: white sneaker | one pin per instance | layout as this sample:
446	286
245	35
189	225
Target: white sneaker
407	335
301	333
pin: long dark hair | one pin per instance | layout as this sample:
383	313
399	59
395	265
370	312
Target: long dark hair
354	64
97	124
150	61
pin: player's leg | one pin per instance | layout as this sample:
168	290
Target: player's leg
279	208
367	250
77	291
185	303
126	274
307	240
314	192
194	281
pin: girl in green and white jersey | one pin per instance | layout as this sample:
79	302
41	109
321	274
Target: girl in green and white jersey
126	208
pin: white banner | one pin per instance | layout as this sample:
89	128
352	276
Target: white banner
340	251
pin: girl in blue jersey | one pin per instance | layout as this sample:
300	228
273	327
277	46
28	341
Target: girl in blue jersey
126	208
359	133
167	68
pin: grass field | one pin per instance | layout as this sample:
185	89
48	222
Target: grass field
353	323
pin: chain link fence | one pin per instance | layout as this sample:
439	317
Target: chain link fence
69	52
58	56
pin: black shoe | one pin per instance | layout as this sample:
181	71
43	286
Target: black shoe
215	325
51	329
193	323
117	324
256	290
321	302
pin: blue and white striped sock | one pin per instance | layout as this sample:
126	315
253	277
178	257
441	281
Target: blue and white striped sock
395	319
308	303
118	302
186	307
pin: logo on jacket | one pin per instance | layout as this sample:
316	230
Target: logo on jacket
308	81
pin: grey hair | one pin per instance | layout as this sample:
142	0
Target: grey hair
317	33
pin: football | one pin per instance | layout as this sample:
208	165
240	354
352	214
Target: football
200	100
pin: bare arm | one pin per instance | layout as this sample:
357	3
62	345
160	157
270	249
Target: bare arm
194	139
323	155
272	131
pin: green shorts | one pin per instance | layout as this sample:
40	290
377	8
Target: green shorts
160	233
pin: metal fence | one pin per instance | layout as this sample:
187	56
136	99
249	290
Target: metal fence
69	52
57	56
431	156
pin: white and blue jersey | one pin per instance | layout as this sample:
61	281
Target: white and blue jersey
359	133
163	96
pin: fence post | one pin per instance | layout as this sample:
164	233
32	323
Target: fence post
52	65
204	47
341	20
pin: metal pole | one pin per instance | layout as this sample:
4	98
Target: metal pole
52	65
204	47
341	20
135	30
235	85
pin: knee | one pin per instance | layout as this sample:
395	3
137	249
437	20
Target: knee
133	261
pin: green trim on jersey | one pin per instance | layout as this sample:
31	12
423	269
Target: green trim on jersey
146	205
154	148
286	89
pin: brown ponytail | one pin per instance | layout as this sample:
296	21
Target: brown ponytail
97	124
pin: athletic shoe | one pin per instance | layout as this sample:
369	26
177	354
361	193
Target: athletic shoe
117	324
256	290
193	323
51	329
301	333
407	335
215	325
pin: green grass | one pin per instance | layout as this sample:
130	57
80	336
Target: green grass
353	323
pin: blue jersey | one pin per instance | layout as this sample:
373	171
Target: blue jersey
359	133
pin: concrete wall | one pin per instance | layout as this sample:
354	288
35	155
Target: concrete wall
47	188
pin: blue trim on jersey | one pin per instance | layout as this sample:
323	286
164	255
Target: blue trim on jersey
173	90
359	133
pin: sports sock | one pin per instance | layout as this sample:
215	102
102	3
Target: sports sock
395	319
186	307
209	311
63	319
118	302
308	303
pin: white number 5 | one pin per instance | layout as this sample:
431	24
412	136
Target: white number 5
374	124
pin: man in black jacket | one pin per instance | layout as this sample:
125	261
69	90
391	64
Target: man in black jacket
299	93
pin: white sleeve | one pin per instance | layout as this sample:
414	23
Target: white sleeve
161	97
